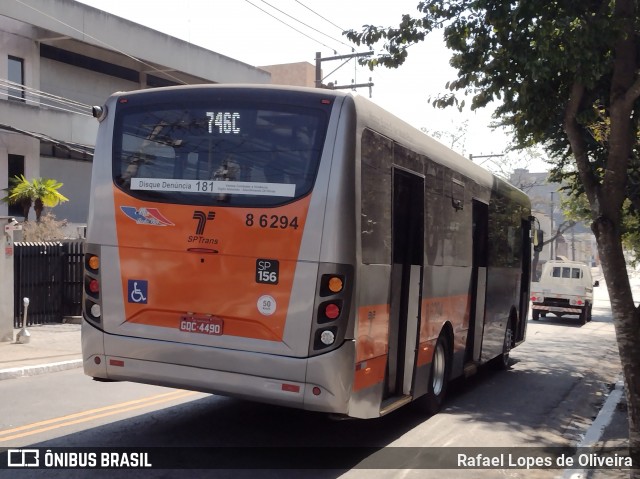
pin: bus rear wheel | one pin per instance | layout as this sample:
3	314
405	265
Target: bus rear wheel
503	361
439	377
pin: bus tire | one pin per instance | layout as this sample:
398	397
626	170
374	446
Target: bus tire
503	361
439	377
535	315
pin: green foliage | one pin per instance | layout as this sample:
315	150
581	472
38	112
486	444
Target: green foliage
39	192
561	74
525	53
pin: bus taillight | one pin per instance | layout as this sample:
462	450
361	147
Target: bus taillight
332	311
327	337
335	284
332	305
93	262
92	300
94	287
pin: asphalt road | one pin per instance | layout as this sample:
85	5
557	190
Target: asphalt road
555	387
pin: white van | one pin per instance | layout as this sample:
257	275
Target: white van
565	287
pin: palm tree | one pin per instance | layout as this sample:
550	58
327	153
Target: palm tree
46	194
40	192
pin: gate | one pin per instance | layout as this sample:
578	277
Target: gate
50	275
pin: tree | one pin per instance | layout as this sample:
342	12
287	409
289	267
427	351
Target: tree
560	71
455	138
39	192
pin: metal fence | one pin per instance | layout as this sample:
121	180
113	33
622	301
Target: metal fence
50	275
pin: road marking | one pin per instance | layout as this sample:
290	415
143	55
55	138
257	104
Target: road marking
90	415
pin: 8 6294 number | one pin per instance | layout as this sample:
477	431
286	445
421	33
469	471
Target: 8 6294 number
271	221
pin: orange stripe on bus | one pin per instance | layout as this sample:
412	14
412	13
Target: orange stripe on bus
369	373
425	353
436	311
373	328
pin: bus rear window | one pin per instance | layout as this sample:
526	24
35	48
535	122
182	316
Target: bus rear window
218	153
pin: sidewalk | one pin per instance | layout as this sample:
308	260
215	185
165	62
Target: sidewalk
51	347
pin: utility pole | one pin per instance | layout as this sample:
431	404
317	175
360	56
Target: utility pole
353	85
551	252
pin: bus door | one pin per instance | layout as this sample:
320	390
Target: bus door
406	280
520	330
478	280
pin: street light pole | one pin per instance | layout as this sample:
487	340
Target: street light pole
551	252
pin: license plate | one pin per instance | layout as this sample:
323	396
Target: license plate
202	325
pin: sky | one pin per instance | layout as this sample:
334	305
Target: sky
270	32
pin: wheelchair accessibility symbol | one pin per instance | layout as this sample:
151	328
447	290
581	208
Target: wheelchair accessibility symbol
137	291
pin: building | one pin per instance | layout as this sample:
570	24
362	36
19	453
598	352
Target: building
59	58
577	243
298	74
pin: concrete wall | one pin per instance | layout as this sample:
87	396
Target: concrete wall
73	27
68	172
95	27
297	74
89	87
14	42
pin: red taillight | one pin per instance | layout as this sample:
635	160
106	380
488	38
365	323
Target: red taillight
94	287
332	311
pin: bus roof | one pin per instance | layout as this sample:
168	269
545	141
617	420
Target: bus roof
384	122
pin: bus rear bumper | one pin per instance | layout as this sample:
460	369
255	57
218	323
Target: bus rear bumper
320	383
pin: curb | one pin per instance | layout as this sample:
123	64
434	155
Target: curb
597	428
25	371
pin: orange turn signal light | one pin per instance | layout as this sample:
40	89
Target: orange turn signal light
94	262
335	284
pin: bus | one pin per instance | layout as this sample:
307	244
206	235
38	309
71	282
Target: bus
295	246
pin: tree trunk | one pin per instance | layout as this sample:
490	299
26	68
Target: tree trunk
26	206
626	319
38	206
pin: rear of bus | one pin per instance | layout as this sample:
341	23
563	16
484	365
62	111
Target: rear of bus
208	263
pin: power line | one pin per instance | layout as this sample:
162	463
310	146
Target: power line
292	27
16	91
101	42
308	26
316	13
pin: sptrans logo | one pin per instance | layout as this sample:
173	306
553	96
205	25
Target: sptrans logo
202	219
